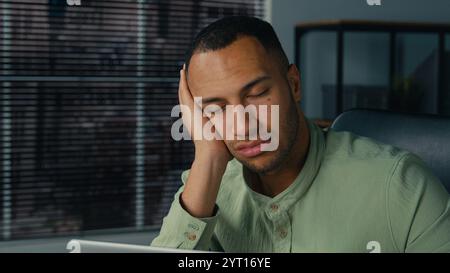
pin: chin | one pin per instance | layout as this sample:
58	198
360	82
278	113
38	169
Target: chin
263	163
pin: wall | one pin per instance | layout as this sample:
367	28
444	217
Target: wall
367	59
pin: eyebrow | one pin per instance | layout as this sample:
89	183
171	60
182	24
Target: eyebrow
247	86
255	82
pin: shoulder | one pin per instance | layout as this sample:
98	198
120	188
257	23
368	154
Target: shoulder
351	146
360	159
362	164
392	183
373	157
416	202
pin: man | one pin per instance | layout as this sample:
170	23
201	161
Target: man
317	192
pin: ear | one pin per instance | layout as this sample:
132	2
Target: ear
293	77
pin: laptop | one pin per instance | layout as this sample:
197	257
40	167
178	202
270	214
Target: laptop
85	246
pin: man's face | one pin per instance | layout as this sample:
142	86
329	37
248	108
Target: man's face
244	73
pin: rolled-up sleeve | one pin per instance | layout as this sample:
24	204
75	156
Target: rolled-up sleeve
182	230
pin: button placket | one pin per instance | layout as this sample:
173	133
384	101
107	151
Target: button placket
191	236
274	207
191	233
282	231
193	226
273	211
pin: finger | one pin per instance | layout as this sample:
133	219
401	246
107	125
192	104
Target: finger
183	82
183	95
185	106
183	90
180	98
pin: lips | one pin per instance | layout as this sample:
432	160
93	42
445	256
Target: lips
250	149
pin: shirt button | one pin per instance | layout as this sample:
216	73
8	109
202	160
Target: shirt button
193	226
191	236
274	207
282	232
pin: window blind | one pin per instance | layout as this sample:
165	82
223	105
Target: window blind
86	93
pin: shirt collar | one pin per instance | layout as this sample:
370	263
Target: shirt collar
298	188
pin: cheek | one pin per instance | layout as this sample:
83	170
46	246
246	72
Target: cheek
218	120
279	120
223	125
271	112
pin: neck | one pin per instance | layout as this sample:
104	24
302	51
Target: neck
273	183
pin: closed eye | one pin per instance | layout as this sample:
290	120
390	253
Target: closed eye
259	94
213	109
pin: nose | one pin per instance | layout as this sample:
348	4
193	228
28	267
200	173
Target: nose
245	122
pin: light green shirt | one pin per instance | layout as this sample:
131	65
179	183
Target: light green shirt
352	195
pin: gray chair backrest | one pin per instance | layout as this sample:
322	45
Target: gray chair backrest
427	136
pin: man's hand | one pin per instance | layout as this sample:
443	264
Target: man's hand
211	158
203	148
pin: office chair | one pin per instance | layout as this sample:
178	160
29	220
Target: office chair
427	136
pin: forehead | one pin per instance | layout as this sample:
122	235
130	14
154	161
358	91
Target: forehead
231	67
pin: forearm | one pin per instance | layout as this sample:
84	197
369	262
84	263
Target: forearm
202	186
181	230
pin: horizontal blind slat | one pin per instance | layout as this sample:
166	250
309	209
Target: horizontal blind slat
86	93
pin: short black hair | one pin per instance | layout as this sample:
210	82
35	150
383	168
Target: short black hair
225	31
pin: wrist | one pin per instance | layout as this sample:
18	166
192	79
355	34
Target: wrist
213	163
210	159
